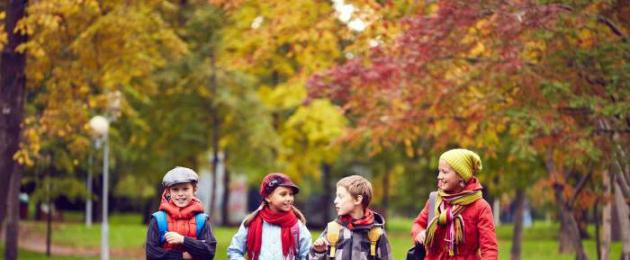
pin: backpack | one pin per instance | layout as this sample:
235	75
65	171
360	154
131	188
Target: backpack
418	252
432	197
160	219
332	235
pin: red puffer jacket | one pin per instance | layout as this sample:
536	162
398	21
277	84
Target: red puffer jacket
480	240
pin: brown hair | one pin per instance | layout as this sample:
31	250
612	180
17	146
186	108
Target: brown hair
357	185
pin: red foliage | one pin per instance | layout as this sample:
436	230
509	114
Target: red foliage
411	84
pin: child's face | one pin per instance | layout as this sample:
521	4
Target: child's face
281	199
448	180
182	194
345	203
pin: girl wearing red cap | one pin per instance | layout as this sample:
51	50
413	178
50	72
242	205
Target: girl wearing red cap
276	229
462	225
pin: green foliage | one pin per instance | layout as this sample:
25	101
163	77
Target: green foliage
131	186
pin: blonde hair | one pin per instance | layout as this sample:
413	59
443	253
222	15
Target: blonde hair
357	185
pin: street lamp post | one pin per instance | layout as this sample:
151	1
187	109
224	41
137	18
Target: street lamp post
100	127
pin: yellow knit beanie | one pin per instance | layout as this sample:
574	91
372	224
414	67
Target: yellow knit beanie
465	162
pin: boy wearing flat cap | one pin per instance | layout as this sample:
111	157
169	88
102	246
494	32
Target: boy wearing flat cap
180	229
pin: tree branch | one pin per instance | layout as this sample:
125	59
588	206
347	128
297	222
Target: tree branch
579	187
613	27
622	178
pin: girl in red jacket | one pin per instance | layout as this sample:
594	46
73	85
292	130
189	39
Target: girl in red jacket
462	226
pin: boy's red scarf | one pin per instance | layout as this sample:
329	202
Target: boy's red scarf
176	212
350	223
285	220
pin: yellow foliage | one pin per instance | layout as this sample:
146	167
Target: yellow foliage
478	50
432	8
23	158
80	50
309	137
288	41
284	96
534	50
291	31
586	38
475	36
3	34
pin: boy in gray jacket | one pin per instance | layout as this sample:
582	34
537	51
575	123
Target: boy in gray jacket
357	233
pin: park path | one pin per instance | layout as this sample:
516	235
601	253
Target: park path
34	241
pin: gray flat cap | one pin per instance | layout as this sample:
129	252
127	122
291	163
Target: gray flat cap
179	175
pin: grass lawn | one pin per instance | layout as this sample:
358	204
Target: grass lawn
31	255
539	241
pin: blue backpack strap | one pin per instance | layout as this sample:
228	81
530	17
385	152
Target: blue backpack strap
200	221
160	219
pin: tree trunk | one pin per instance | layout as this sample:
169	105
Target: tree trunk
226	191
598	242
569	239
581	217
621	183
152	205
181	15
517	238
12	228
565	246
12	85
605	234
624	220
386	191
215	133
569	234
327	191
4	191
50	213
